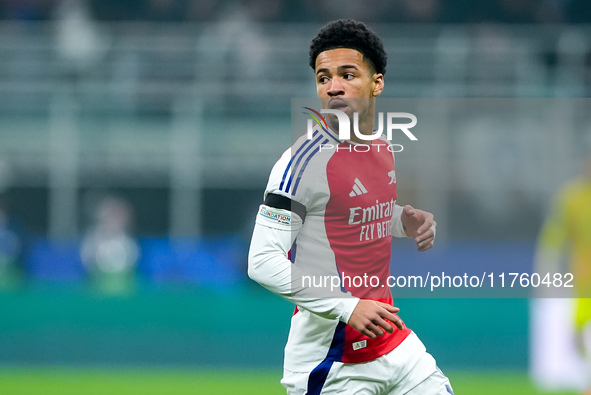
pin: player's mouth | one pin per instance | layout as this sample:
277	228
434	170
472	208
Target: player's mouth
337	104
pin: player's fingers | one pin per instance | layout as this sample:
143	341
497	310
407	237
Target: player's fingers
393	318
368	332
363	330
376	330
384	324
389	307
427	223
425	246
428	235
398	322
425	240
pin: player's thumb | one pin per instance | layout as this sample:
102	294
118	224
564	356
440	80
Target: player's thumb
409	210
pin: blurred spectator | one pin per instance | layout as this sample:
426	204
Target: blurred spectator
11	248
551	11
372	11
264	10
240	41
117	10
109	252
27	10
164	10
422	11
517	11
202	11
80	44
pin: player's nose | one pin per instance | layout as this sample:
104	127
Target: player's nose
336	87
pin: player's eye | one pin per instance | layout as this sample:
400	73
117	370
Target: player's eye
348	76
323	79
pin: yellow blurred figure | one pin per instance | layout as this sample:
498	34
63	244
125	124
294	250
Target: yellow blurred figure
567	231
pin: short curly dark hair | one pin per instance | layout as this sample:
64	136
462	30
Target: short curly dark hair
348	33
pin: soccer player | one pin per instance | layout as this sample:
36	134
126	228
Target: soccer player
567	231
329	213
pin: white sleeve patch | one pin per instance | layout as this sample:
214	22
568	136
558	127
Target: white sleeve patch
275	216
278	218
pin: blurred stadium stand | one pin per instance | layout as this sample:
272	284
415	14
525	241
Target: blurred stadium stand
188	119
182	107
185	120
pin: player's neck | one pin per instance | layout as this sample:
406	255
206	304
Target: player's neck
366	125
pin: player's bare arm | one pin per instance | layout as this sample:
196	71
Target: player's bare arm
371	317
419	225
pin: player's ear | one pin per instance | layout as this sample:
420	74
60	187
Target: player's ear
378	84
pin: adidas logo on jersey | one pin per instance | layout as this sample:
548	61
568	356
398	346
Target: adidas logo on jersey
358	189
359	345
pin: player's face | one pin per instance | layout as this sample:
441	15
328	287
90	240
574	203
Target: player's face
343	74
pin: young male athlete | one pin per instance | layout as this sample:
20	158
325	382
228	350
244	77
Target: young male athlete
329	214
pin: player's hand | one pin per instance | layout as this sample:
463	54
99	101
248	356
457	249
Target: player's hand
371	318
419	225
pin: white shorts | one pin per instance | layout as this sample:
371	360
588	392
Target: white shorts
406	370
